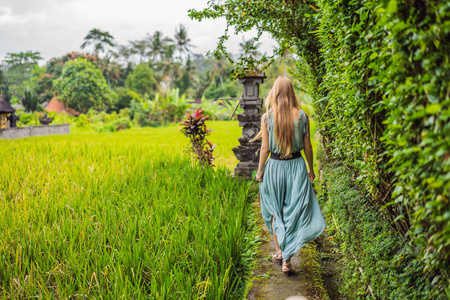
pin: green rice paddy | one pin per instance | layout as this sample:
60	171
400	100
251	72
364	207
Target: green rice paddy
123	215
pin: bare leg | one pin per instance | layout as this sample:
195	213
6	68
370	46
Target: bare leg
275	239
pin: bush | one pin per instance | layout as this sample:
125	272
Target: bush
389	264
388	114
82	86
169	107
141	80
217	110
120	99
106	128
217	90
28	119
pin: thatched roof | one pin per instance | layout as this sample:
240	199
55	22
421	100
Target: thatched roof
5	107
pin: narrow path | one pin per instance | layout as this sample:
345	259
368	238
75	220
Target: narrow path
270	283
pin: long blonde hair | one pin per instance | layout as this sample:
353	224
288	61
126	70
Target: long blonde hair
281	100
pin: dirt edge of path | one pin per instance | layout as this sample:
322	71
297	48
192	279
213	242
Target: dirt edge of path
270	283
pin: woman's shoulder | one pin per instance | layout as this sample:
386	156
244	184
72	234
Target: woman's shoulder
303	114
264	118
268	114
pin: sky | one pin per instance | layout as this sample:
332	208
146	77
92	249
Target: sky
56	27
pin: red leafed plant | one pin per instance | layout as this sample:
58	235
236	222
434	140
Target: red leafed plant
194	127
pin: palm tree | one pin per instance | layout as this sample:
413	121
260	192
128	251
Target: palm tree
123	53
249	48
169	68
110	69
100	39
182	44
139	47
202	82
219	68
158	46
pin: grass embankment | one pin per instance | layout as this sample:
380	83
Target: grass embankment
122	215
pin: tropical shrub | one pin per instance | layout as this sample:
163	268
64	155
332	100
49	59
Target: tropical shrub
120	98
30	101
28	119
82	86
226	90
44	87
195	129
219	109
114	125
141	80
162	109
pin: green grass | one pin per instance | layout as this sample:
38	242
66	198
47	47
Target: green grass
123	215
225	136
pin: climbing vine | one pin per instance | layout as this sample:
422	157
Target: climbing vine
379	74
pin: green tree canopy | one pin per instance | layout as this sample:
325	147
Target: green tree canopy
19	66
141	80
82	86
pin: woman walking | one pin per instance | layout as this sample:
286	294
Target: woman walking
288	204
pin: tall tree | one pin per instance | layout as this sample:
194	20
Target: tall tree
100	39
139	48
21	58
219	68
82	86
182	42
158	46
19	66
4	88
110	69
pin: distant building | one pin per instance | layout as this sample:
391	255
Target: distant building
57	106
5	111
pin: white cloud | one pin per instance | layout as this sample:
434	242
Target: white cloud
56	27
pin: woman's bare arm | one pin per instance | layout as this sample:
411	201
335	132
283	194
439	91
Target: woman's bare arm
264	153
307	148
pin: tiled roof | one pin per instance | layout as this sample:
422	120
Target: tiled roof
57	106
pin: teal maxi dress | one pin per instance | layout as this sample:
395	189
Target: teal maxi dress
287	194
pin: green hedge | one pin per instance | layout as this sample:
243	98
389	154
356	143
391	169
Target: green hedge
388	264
379	73
385	112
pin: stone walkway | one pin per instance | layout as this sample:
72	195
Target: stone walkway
269	281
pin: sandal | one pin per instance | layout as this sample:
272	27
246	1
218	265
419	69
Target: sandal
287	269
277	256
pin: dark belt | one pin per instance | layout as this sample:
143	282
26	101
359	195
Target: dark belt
285	157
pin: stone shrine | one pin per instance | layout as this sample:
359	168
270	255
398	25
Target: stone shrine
250	120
